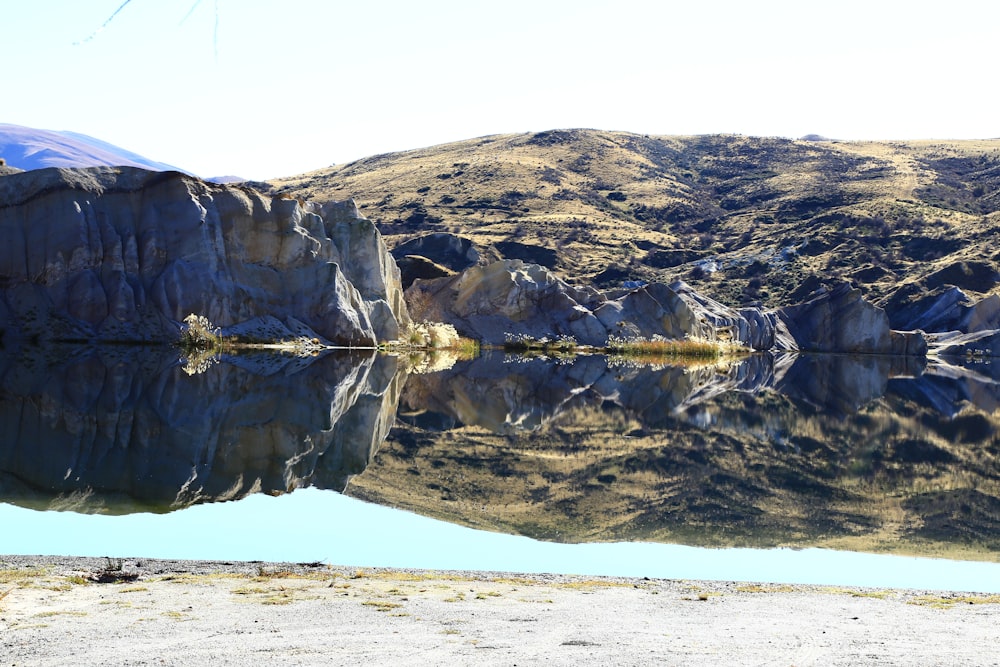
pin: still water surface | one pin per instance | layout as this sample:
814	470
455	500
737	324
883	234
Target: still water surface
785	469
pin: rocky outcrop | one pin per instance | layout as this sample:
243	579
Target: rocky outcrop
984	344
512	299
528	252
677	311
839	319
123	254
968	275
369	266
449	250
489	303
437	255
944	309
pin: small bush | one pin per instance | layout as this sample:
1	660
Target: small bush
432	335
199	334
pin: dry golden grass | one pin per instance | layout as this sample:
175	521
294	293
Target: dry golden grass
22	575
645	207
666	349
947	601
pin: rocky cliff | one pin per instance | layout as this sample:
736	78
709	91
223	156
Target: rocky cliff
124	254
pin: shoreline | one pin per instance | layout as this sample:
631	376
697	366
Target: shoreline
176	612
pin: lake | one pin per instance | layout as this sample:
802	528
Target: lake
827	469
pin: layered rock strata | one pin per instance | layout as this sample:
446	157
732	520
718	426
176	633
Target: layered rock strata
124	254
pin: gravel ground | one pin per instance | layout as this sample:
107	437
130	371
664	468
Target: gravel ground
81	611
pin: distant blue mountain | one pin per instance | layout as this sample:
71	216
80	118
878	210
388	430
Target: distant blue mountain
28	148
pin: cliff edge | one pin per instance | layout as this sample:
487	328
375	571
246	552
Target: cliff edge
124	254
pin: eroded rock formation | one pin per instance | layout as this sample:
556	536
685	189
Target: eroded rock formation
123	254
511	298
947	308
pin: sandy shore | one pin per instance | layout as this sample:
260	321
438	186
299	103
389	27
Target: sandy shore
54	611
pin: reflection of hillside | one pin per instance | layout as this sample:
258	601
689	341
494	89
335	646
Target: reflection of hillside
804	451
125	429
835	451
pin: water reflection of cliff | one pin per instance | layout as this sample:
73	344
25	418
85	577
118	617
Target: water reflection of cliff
125	429
867	453
854	452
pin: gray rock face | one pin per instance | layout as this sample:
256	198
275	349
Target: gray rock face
840	320
508	297
677	311
946	309
123	254
511	298
369	266
984	344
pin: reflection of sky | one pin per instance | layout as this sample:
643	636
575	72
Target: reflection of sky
313	525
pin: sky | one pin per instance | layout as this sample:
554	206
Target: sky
261	88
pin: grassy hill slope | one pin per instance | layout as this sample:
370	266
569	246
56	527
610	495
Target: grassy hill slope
745	219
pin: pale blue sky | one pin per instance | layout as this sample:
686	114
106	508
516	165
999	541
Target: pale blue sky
301	84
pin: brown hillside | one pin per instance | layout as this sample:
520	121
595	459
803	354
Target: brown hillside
744	219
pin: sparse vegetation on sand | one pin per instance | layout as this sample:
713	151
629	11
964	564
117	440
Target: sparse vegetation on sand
199	335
